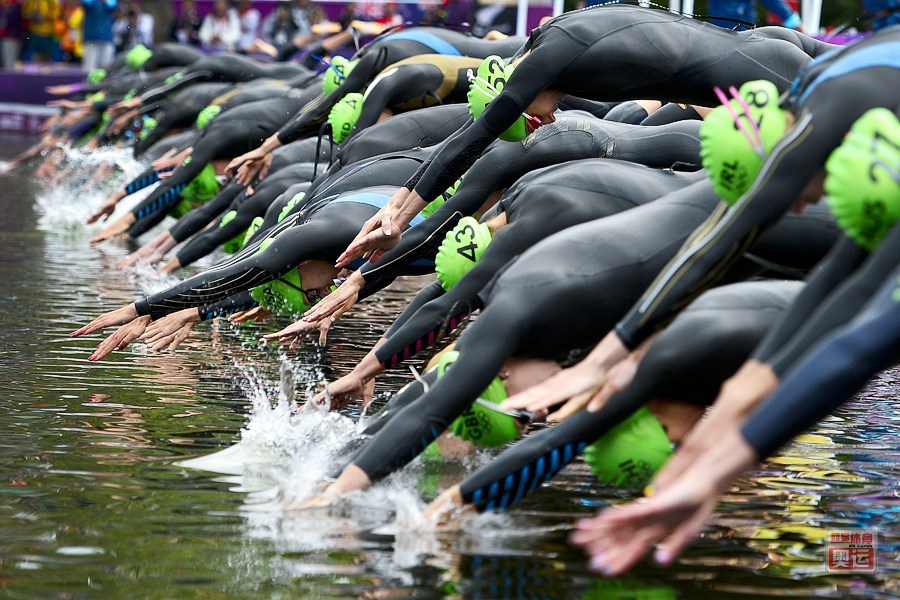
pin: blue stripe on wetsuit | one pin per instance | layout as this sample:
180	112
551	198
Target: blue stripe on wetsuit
427	39
167	199
145	181
525	480
879	55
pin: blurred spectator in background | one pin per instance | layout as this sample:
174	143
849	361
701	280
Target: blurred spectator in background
730	14
133	27
884	13
221	29
40	15
390	17
99	48
163	14
249	20
300	14
69	30
187	24
279	27
10	33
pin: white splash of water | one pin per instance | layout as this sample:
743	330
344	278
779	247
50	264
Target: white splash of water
75	194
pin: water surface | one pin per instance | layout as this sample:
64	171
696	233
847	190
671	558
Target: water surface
95	504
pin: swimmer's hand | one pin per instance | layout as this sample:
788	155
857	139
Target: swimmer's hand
59	90
347	388
123	336
120	107
583	379
670	518
151	253
120	316
256	314
254	164
739	395
335	304
107	208
383	231
171	159
169	332
117	229
293	333
442	508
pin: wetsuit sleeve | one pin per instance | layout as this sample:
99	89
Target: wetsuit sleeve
664	146
411	430
426	294
830	373
144	180
845	303
160	92
840	262
598	109
408	83
229	306
716	246
531	76
320	238
201	216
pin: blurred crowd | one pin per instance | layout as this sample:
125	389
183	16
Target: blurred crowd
92	32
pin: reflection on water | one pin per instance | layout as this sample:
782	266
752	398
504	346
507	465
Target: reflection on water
95	498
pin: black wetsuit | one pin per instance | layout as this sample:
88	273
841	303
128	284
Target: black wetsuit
389	49
689	361
556	299
246	209
537	206
229	68
831	372
321	231
570	138
620	52
232	133
826	100
416	82
180	110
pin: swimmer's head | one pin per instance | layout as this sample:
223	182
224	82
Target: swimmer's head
461	250
344	115
137	56
478	424
630	453
337	71
736	138
96	75
285	295
439	201
489	81
207	114
863	178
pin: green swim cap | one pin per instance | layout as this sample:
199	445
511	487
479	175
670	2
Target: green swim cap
629	454
461	250
282	295
439	201
235	243
200	189
96	97
334	76
490	79
479	425
344	116
137	56
863	181
736	138
207	114
96	75
286	210
148	125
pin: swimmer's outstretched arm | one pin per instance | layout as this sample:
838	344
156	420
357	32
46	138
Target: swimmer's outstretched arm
827	376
